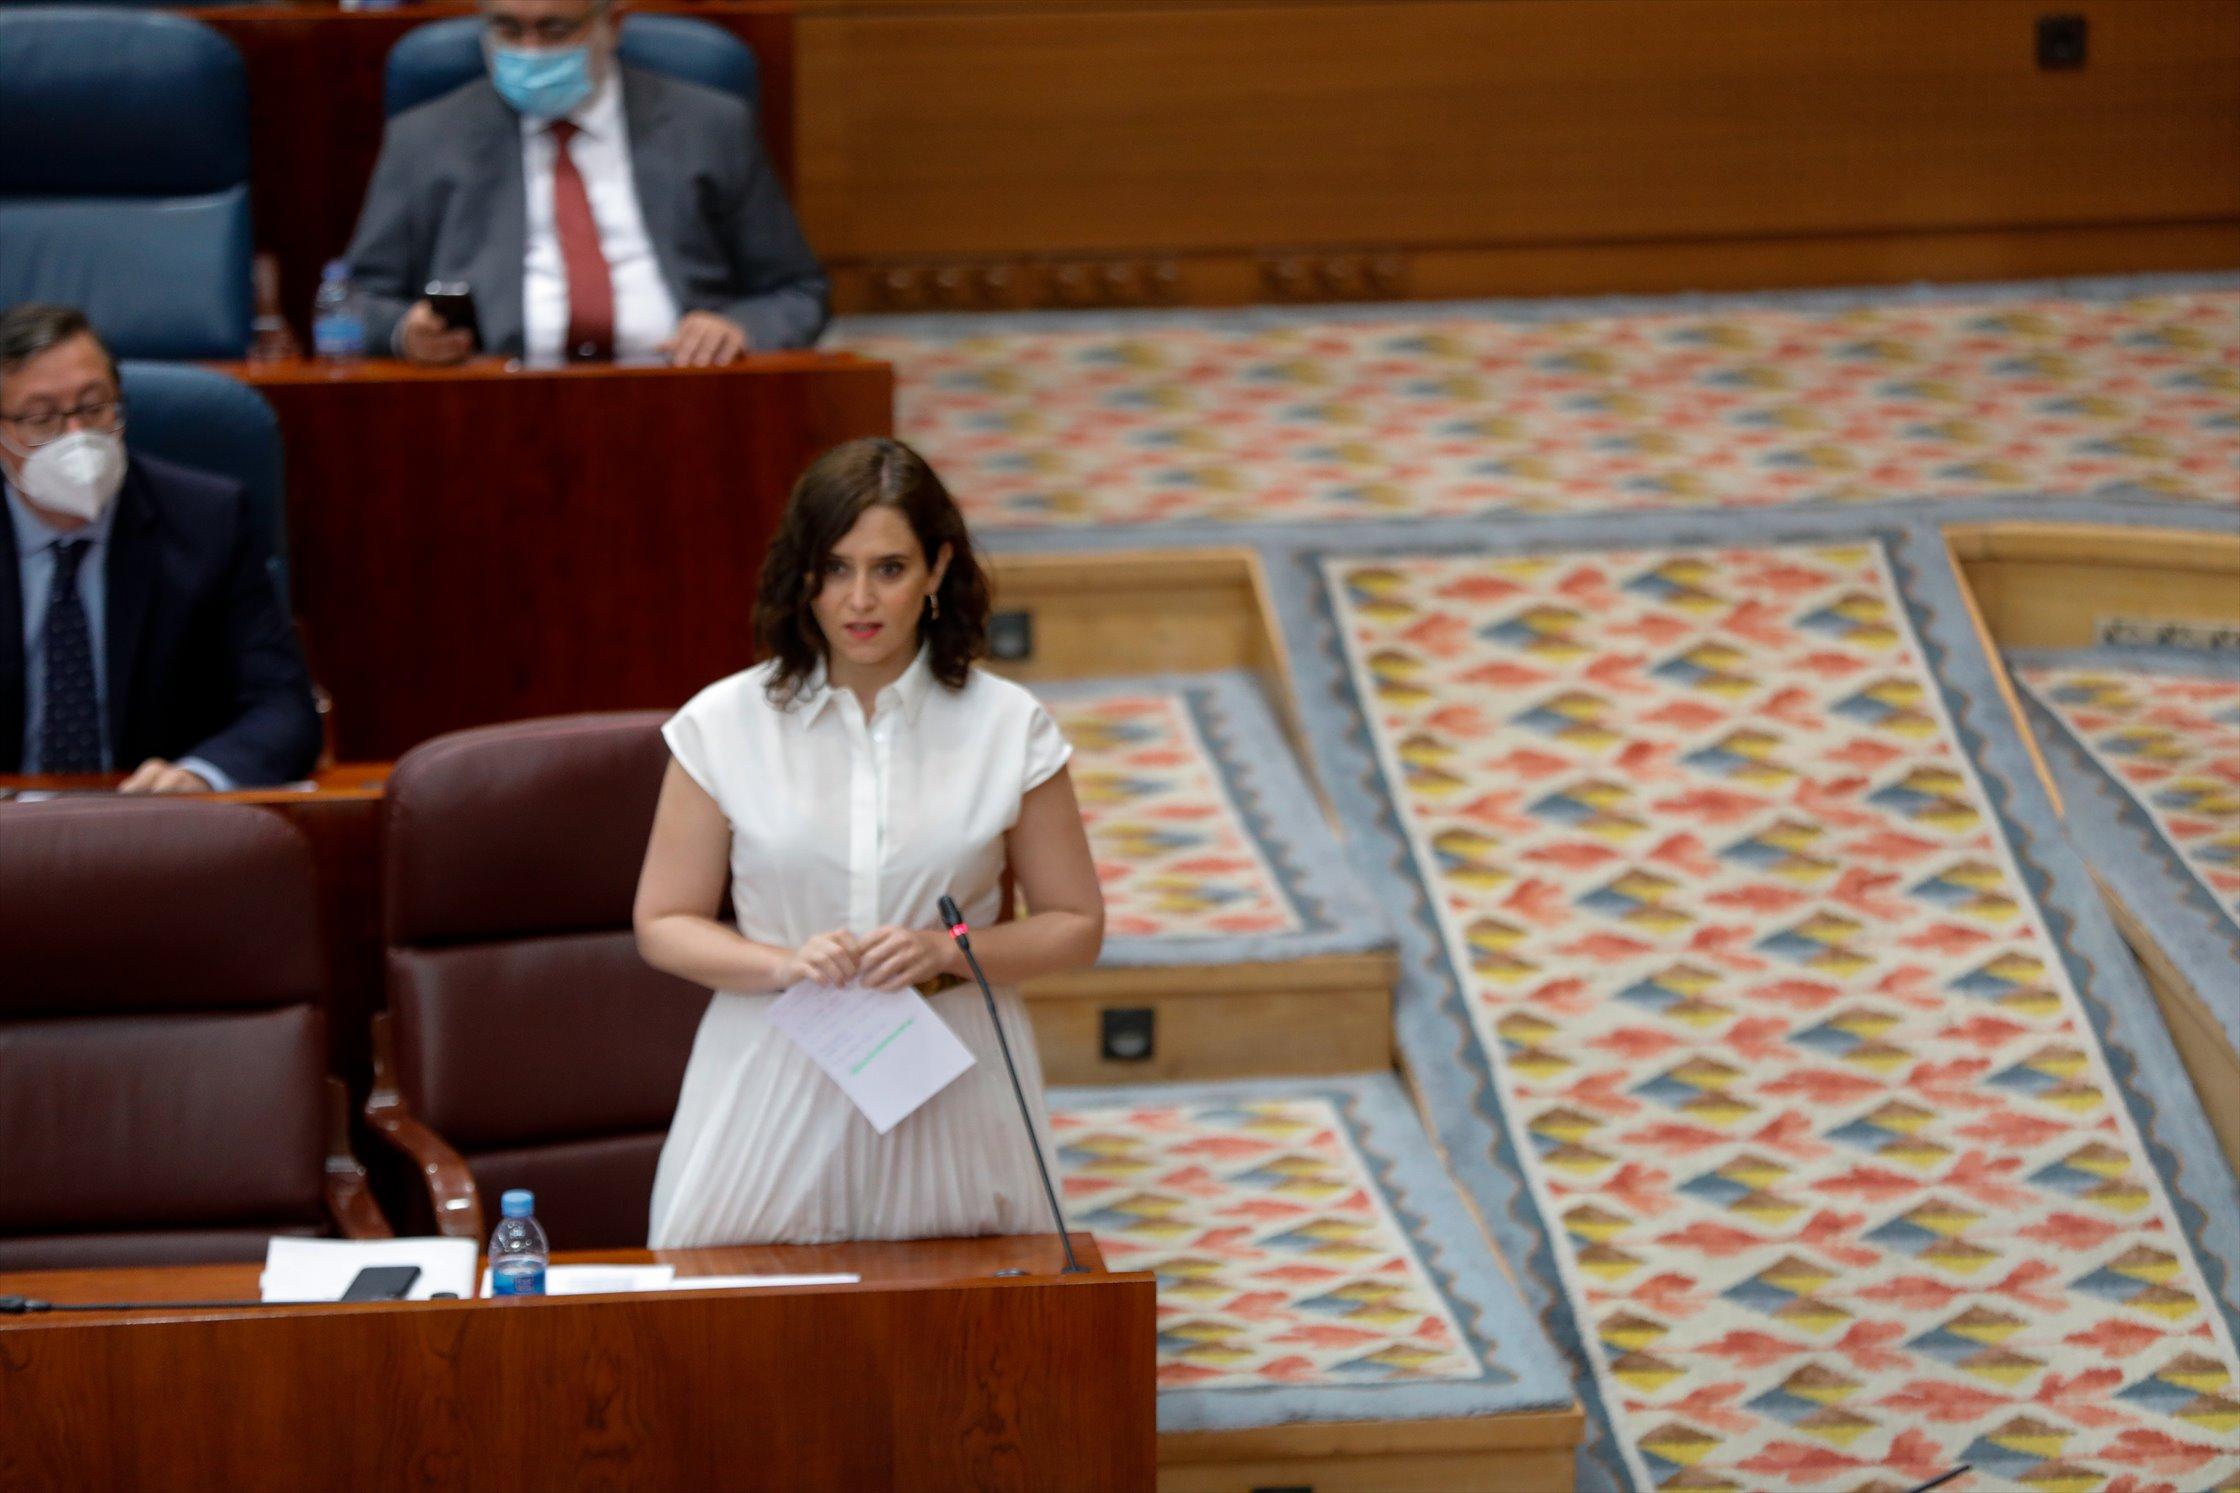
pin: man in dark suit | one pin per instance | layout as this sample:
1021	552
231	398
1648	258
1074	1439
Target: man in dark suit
139	628
595	210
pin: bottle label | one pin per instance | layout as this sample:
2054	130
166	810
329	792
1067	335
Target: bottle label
339	335
517	1278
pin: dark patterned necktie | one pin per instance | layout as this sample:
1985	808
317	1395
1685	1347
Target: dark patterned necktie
70	726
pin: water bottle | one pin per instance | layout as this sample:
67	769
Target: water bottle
517	1250
338	315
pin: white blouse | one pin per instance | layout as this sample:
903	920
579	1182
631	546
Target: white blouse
841	822
872	821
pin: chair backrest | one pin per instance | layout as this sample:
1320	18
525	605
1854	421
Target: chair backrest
199	417
429	61
162	1048
527	1032
124	180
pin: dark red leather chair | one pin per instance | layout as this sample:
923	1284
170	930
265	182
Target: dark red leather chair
526	1044
163	1088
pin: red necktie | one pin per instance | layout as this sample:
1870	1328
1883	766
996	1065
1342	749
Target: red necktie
590	287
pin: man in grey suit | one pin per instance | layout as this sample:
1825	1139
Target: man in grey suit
595	210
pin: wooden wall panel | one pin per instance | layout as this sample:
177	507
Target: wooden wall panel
1460	134
519	542
2052	585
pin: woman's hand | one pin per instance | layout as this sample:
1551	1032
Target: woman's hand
829	959
895	957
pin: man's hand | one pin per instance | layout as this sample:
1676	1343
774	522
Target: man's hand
704	340
828	959
895	957
158	776
423	338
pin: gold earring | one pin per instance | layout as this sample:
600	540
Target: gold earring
933	607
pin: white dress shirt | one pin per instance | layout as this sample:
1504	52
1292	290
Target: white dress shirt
644	311
842	822
35	569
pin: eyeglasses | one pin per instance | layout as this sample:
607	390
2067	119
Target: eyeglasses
44	426
548	31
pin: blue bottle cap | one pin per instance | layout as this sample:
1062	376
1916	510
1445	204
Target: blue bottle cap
518	1202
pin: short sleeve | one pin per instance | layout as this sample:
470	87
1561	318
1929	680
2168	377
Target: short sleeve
687	735
1047	748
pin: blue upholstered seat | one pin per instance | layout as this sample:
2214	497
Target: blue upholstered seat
124	176
429	61
201	418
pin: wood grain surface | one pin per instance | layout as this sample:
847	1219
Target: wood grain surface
1224	152
2051	585
487	543
1328	1013
931	1374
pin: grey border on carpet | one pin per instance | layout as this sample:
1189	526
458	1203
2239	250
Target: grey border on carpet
1522	1372
2119	838
1280	812
1437	1037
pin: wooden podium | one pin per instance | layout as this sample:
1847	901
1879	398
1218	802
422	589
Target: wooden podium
489	542
934	1372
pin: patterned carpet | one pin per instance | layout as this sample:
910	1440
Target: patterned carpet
2171	737
1313	1259
1845	1128
2145	745
1238	418
1766	1014
1210	845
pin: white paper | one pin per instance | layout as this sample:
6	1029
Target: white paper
322	1269
736	1282
608	1280
599	1280
885	1048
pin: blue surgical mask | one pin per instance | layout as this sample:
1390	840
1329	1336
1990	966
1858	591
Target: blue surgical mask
542	85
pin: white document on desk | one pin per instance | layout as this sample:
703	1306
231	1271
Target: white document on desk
322	1269
885	1048
739	1282
599	1280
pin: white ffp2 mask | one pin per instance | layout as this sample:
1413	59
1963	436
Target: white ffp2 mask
77	474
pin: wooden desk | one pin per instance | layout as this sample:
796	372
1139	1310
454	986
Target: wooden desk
346	783
315	118
340	815
482	544
931	1373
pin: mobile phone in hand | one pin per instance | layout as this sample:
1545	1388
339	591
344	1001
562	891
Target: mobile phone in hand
453	303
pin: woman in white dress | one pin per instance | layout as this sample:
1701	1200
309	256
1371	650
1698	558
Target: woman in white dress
839	789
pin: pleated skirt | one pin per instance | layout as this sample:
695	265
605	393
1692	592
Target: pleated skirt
766	1150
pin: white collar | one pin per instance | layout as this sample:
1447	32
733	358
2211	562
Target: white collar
34	535
599	116
907	693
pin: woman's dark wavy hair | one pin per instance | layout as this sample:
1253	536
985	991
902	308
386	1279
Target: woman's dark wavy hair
832	494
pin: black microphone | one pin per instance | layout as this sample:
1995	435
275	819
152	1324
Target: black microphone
1938	1482
29	1306
963	935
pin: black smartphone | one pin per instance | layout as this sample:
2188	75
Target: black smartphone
453	303
382	1283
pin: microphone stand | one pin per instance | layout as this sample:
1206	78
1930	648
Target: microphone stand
963	935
